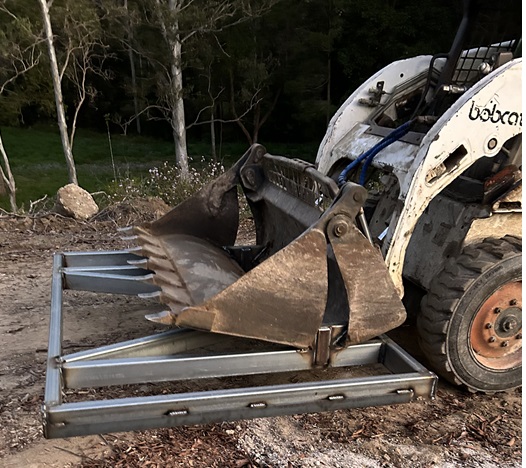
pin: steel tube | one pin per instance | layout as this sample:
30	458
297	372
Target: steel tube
357	355
72	419
129	270
108	283
53	388
161	369
158	358
100	367
396	360
162	344
94	259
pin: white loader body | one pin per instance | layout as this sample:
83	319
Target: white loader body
478	124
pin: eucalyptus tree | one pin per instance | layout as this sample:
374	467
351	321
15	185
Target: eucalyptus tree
131	56
57	87
180	25
73	31
19	53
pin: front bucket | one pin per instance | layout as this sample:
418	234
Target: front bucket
311	265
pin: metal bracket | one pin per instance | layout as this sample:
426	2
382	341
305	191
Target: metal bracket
322	350
376	93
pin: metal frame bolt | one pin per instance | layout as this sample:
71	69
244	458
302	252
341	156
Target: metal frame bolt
489	325
250	176
504	344
513	302
497	310
258	155
492	143
340	229
492	339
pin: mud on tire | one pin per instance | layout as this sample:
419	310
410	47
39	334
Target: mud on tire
470	325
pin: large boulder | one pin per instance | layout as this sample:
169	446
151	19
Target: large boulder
74	202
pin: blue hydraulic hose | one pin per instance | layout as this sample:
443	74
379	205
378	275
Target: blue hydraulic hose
369	155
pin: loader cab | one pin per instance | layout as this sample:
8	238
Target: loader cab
490	38
489	35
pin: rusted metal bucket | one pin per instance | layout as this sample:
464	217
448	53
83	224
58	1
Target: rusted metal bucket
310	266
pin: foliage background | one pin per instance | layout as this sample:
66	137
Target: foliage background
285	72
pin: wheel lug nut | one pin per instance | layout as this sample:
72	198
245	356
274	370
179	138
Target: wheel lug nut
513	302
519	336
492	339
489	325
497	310
504	344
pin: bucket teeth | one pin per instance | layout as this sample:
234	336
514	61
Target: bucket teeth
159	264
134	250
141	231
150	295
148	278
164	279
172	290
151	250
188	270
166	317
129	238
141	263
175	297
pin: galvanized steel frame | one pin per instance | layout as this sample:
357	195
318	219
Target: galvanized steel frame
159	358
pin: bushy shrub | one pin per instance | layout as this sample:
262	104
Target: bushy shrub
166	182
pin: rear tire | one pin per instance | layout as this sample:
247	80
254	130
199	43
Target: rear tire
470	325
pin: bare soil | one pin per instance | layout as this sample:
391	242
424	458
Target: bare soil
457	429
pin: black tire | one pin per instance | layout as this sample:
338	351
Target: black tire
470	324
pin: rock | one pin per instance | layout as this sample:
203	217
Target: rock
74	202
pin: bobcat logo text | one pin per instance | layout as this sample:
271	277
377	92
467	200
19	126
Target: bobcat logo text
494	115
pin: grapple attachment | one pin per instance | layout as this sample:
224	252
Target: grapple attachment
310	267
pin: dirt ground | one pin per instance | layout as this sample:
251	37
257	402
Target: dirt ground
457	429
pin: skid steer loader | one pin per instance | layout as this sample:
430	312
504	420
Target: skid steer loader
416	188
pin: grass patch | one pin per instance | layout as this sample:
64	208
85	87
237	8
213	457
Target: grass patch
39	168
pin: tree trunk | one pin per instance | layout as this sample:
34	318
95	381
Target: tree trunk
61	117
7	178
178	122
134	90
213	133
256	120
176	101
132	71
221	113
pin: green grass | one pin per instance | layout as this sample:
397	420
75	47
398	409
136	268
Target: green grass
37	160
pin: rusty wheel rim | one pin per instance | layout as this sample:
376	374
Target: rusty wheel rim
496	331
